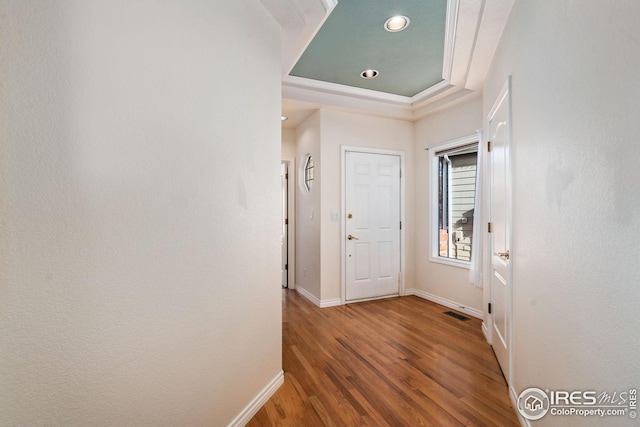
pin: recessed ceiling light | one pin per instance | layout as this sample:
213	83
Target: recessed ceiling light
283	118
369	74
396	23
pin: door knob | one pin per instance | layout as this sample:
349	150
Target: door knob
504	255
350	237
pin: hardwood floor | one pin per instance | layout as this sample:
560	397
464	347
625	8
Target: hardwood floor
392	362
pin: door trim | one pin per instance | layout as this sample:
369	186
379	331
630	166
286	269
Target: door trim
284	180
291	236
343	226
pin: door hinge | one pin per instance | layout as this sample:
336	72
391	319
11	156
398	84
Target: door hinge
489	308
400	173
489	146
400	225
286	176
286	266
286	221
489	227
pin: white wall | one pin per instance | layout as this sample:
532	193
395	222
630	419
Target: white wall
435	280
317	237
307	271
339	129
139	234
576	197
288	143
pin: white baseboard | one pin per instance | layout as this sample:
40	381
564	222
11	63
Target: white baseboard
320	303
330	302
417	292
258	402
356	301
514	401
485	332
447	303
308	295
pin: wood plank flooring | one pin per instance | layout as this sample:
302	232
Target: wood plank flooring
393	362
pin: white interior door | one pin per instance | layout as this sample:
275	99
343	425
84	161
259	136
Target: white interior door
499	124
372	225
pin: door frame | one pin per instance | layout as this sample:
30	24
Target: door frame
291	229
344	149
504	96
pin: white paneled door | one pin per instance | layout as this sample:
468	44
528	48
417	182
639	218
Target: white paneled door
500	236
372	225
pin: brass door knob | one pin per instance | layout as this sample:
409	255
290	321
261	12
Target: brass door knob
350	237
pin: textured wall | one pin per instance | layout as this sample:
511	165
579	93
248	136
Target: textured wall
339	129
139	234
576	199
444	281
318	238
308	207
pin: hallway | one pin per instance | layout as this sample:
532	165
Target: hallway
392	362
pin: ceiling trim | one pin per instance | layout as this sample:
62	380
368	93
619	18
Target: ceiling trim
427	94
297	33
312	24
335	88
449	39
329	4
347	101
448	95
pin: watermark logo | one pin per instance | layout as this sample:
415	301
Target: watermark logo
534	403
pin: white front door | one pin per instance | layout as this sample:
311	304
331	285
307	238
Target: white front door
372	225
499	125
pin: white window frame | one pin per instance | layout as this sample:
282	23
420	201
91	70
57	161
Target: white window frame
433	199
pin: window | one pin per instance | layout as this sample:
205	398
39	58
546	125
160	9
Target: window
308	172
453	199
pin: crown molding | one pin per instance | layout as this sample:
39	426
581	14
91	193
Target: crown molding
329	4
449	38
453	97
338	89
375	103
352	99
299	21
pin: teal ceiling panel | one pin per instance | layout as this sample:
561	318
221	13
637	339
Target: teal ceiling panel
353	39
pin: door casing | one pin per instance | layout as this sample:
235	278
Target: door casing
284	177
291	240
343	192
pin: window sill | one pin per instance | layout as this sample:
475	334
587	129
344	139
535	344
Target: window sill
452	262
